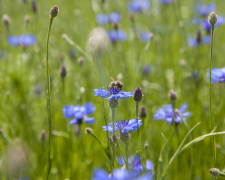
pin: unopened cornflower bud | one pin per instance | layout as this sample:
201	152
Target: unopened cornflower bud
34	6
115	26
63	71
137	94
5	19
113	103
88	130
72	54
146	145
143	112
131	17
172	95
124	137
215	172
27	19
81	60
198	36
115	138
43	136
54	11
212	18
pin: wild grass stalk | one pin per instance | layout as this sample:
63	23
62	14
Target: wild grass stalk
53	13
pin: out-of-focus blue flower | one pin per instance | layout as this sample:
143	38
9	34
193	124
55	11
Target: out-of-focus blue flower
25	40
166	1
146	69
138	5
194	43
102	18
204	10
113	93
118	174
167	113
79	113
117	35
135	165
124	126
145	36
206	25
115	17
218	75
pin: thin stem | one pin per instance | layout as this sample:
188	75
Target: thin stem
127	165
106	152
113	144
121	152
210	97
49	107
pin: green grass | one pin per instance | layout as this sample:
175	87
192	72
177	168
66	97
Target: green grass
23	114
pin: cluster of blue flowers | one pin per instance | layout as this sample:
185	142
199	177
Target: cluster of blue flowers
79	113
106	18
172	116
218	75
25	40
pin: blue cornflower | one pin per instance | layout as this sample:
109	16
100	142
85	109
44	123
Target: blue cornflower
218	75
145	36
194	43
204	10
114	92
25	40
166	1
119	174
135	164
124	126
117	35
102	18
79	113
138	5
167	113
115	17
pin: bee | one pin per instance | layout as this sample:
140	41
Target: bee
116	85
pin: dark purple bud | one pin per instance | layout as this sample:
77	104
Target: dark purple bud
63	71
72	54
54	12
137	94
34	6
143	112
115	26
199	36
172	95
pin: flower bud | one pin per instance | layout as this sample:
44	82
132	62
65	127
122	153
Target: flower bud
212	18
115	26
63	71
143	112
88	130
124	137
72	54
113	103
6	19
43	136
137	94
34	6
172	95
27	19
54	11
215	172
81	60
115	138
199	36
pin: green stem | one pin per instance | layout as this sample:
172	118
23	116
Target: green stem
113	144
121	152
127	165
49	107
210	97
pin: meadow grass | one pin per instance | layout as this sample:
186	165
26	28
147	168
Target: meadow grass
23	111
